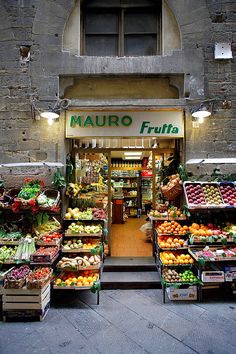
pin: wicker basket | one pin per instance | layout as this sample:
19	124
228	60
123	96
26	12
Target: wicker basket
53	194
172	193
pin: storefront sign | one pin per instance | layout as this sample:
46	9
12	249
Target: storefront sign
161	123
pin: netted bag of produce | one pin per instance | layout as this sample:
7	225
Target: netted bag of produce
38	278
17	277
173	188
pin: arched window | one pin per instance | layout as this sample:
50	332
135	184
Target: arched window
120	27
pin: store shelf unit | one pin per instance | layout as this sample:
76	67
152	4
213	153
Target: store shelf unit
146	192
77	272
216	270
128	182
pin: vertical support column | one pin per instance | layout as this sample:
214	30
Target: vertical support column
153	179
109	209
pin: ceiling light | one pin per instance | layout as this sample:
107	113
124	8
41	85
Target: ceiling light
133	153
131	158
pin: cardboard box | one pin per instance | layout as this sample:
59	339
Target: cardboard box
213	276
230	273
185	292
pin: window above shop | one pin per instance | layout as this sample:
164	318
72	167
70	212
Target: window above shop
121	28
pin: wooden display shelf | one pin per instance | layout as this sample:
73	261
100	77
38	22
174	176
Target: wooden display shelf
127	187
180	283
172	249
176	265
78	268
130	196
126	168
82	235
167	218
85	220
9	243
13	262
77	250
215	259
171	235
133	206
207	242
48	261
48	244
56	287
113	177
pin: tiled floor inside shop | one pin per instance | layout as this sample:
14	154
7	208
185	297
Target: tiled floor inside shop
128	241
127	321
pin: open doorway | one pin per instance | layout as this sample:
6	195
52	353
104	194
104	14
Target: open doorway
133	185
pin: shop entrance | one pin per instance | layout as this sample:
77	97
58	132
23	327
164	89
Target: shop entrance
117	156
123	182
132	187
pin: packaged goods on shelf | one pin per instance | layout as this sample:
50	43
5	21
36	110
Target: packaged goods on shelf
213	276
230	273
213	253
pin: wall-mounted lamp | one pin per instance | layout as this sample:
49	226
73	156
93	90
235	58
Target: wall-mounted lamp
51	113
200	112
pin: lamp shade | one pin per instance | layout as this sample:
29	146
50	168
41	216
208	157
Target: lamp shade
49	115
201	113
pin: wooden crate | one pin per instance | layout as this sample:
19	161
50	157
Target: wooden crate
25	315
25	299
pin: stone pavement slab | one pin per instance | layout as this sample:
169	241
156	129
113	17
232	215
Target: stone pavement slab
125	322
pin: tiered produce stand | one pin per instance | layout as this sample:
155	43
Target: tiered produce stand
26	257
80	267
207	249
175	264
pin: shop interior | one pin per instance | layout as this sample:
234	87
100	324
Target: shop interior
123	180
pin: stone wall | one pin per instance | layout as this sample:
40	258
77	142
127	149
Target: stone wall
40	24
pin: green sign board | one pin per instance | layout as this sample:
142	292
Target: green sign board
160	123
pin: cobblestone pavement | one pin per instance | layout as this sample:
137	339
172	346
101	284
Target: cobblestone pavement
126	321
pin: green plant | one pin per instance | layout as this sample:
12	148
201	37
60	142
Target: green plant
58	179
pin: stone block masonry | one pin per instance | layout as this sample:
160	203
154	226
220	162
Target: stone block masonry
40	25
